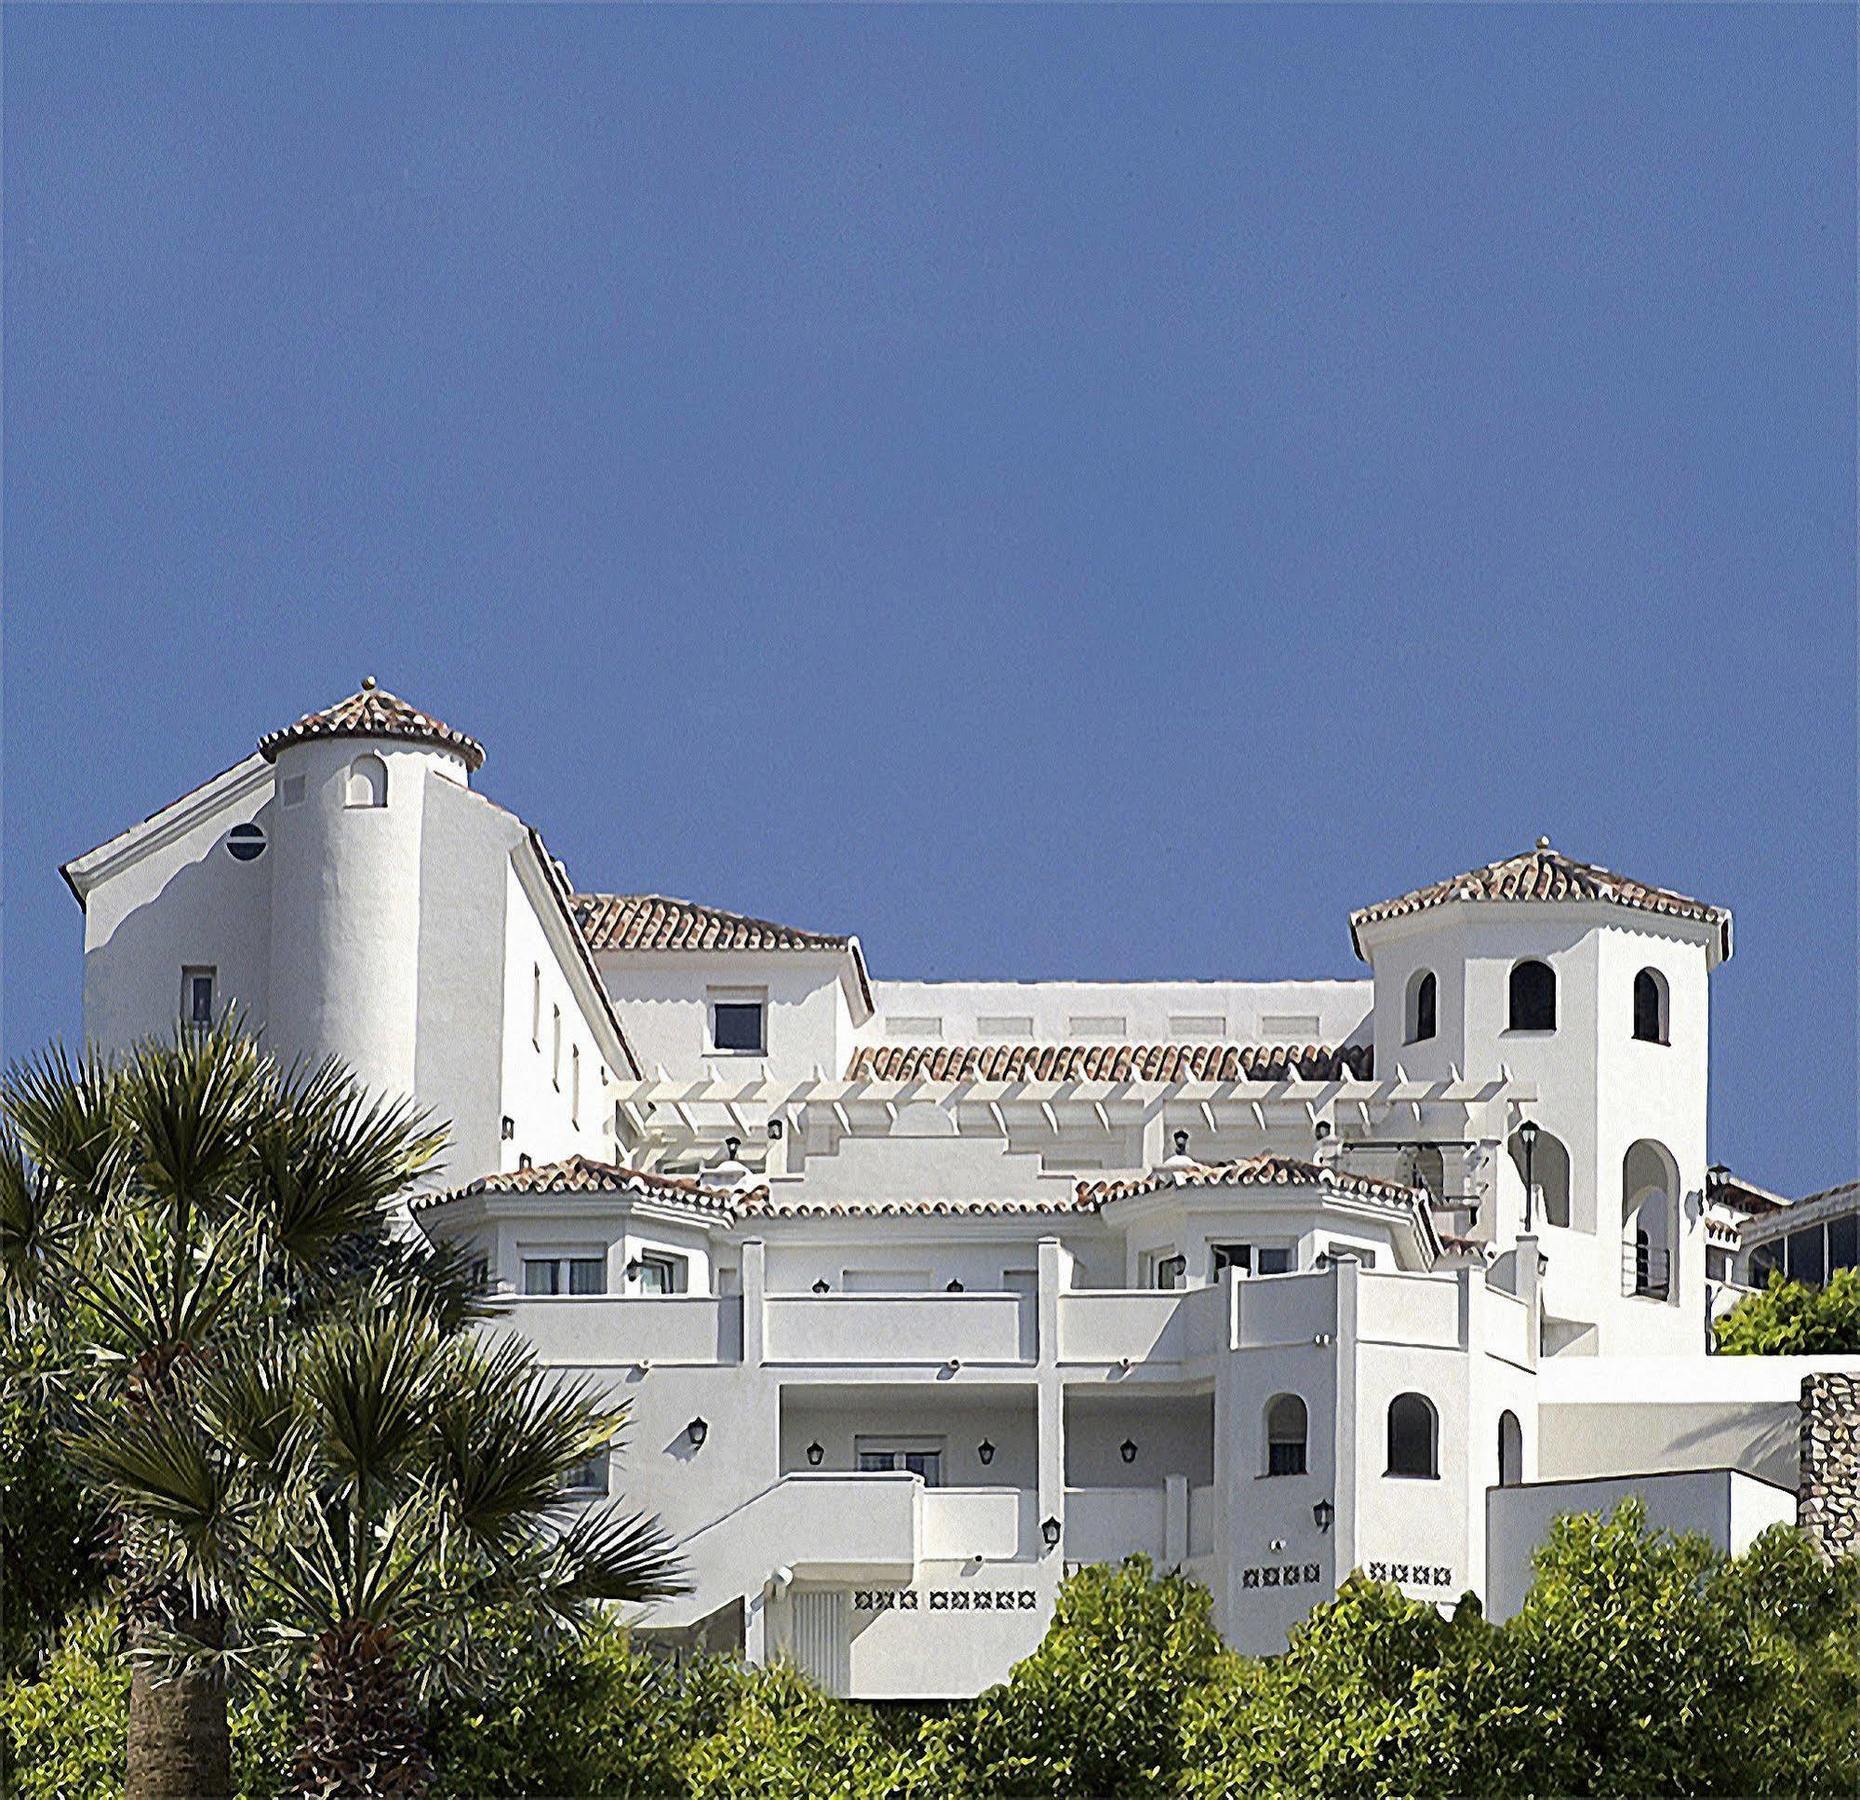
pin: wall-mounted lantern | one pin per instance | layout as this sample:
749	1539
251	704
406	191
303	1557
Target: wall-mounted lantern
697	1431
823	1286
776	1128
1527	1136
507	1128
986	1451
634	1269
1049	1533
1181	1143
1322	1514
1128	1450
955	1287
730	1147
814	1454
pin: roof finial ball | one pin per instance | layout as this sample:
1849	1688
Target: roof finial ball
1543	843
368	682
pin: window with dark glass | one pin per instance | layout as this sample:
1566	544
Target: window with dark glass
1233	1256
737	1025
1413	1437
1533	997
1650	1007
197	996
1170	1271
1423	1002
1285	1435
588	1476
1844	1243
1765	1260
1807	1258
1273	1260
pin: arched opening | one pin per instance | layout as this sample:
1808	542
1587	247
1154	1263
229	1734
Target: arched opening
1286	1426
1510	1450
368	781
1650	1002
1649	1220
1533	997
1421	1020
1414	1437
1547	1171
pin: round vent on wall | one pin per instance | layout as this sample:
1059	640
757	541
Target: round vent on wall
246	842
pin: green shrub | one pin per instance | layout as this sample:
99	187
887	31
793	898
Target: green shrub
786	1740
1790	1319
63	1733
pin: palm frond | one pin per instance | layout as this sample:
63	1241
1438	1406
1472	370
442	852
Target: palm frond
327	1161
189	1108
370	1381
35	1230
608	1555
65	1111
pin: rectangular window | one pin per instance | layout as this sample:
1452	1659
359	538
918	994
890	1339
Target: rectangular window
536	1005
1807	1262
574	1086
291	790
197	995
1717	1265
555	1047
919	1456
1233	1256
546	1275
1166	1270
1765	1260
661	1274
589	1477
1287	1458
1844	1243
1274	1260
737	1025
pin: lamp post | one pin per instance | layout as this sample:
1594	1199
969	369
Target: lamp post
1527	1136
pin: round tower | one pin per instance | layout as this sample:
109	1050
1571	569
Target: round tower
352	782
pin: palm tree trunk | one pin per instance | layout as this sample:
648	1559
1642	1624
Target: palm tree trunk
362	1736
179	1746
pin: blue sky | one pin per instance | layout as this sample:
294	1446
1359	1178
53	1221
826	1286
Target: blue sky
1057	491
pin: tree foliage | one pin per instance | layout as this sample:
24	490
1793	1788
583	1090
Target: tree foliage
1789	1318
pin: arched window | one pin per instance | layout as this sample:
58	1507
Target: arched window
1423	1006
1414	1437
1510	1450
1650	1007
1548	1165
1533	997
368	781
1285	1435
1649	1220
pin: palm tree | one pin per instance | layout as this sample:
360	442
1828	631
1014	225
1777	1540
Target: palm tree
166	1202
359	1497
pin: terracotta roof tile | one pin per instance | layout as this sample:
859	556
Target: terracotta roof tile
1252	1171
372	711
1545	874
1111	1062
588	1175
658	922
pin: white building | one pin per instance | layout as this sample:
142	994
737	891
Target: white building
922	1292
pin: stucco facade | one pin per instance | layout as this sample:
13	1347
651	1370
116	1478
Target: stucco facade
921	1292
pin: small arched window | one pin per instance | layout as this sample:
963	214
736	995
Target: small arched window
1650	1007
1423	1006
1285	1435
1414	1437
1533	997
1510	1450
368	781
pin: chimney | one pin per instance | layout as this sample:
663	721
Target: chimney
1827	1495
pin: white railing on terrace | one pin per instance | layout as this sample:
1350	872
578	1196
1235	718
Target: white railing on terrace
1107	1524
996	1523
1285	1309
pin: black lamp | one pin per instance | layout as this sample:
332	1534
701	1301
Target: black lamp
776	1128
697	1431
1181	1143
1128	1450
955	1287
1527	1136
633	1269
814	1454
986	1451
730	1147
1049	1532
823	1286
1322	1514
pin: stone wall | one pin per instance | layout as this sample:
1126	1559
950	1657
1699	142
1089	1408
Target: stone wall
1828	1494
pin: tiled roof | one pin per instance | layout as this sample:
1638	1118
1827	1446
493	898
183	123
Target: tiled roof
658	922
1251	1171
1111	1062
1545	874
780	1207
373	712
588	1175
